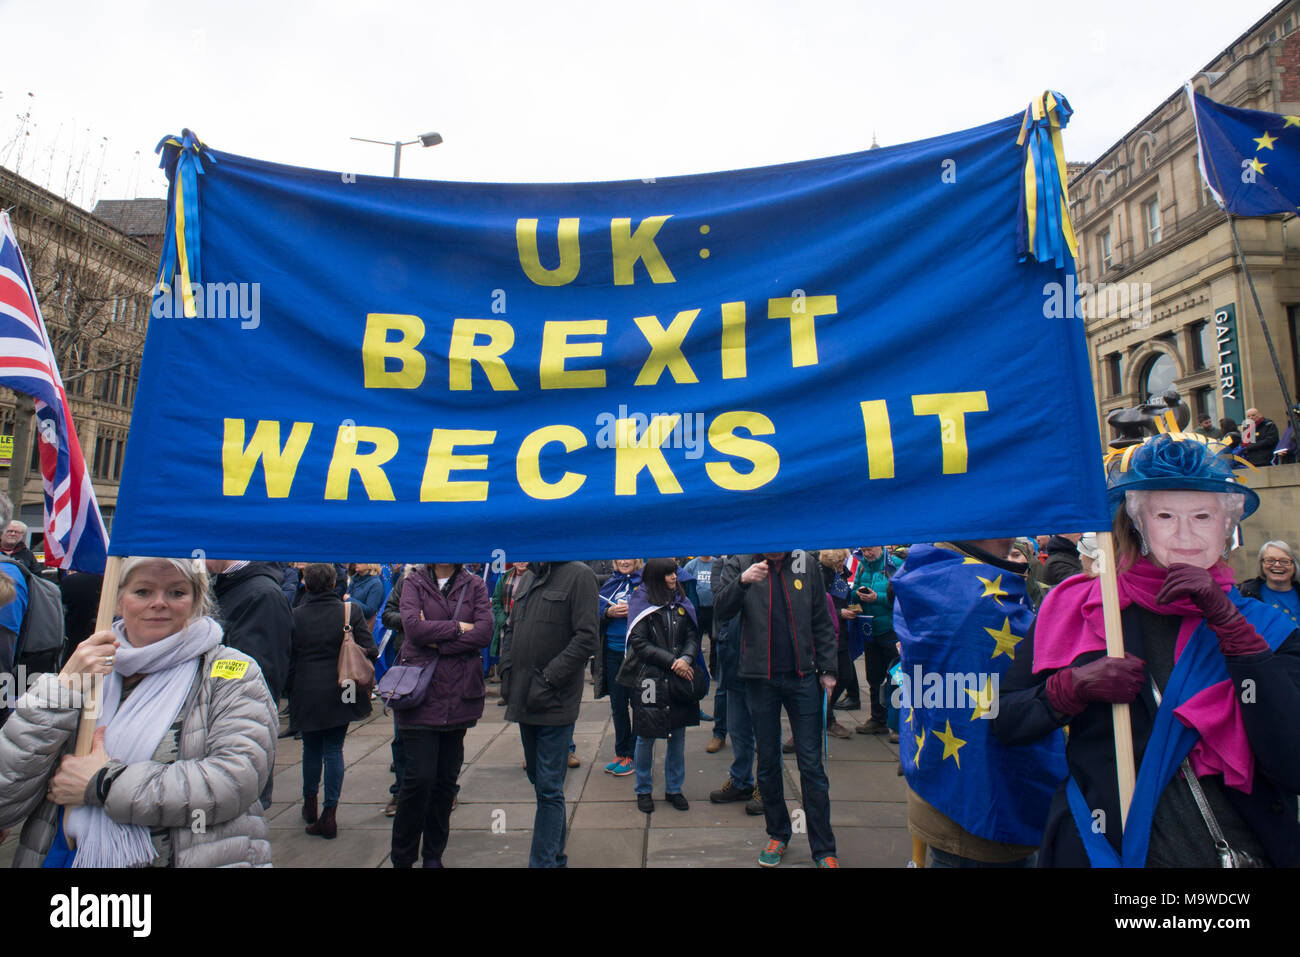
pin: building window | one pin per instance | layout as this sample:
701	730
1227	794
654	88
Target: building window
1160	374
1096	192
1105	254
1144	158
1115	373
1151	220
1207	405
129	379
1206	345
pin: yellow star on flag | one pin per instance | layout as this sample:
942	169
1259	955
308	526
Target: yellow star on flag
951	743
971	561
910	713
1291	121
1257	166
993	588
920	743
983	698
1006	641
1265	142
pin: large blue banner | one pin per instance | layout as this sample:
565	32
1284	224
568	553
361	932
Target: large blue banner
826	352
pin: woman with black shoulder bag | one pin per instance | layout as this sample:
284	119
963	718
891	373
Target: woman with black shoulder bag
447	621
667	682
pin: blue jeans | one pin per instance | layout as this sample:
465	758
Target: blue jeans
940	858
326	746
620	703
802	700
737	718
546	751
674	763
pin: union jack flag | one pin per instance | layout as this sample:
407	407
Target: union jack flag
74	529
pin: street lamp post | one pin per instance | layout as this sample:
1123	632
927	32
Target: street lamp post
425	139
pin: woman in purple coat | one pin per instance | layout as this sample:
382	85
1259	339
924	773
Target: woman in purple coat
447	620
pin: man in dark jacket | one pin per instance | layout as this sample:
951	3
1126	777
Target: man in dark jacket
788	658
547	639
1260	452
13	545
257	621
1062	558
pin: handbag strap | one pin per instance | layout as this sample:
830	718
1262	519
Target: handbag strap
455	615
347	620
1202	805
1198	794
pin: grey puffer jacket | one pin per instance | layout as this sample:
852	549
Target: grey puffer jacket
208	797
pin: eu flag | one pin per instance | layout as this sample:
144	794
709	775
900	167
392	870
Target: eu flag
961	623
1249	158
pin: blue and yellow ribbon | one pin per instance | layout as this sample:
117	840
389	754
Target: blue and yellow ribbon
1043	225
182	159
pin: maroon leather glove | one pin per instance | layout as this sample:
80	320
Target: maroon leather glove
1117	680
1236	635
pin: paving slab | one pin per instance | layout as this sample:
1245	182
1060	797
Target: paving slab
354	847
490	816
607	814
702	847
605	847
481	784
872	846
486	849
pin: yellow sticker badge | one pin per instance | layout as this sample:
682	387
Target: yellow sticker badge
798	584
681	610
228	668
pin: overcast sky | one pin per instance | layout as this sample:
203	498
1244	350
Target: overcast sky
566	91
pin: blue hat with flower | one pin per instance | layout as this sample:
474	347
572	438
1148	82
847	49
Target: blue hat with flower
1174	460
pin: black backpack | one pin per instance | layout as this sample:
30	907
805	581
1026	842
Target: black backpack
40	637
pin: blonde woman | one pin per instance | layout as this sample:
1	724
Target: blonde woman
186	733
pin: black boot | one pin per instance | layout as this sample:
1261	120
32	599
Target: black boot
325	826
309	809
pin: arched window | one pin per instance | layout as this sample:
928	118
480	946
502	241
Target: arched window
1096	192
1159	375
1144	157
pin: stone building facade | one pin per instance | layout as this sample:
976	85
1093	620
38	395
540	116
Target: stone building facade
1168	303
93	275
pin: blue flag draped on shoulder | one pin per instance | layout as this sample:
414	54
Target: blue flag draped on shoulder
960	624
1250	159
433	371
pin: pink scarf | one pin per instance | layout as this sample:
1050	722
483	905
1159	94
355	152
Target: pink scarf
1071	623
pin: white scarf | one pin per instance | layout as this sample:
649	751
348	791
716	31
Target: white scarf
134	732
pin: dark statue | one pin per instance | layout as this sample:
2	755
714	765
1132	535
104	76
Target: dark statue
1136	424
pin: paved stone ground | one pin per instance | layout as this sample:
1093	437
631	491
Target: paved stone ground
868	809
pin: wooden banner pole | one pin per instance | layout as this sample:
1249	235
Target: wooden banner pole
1124	763
104	621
